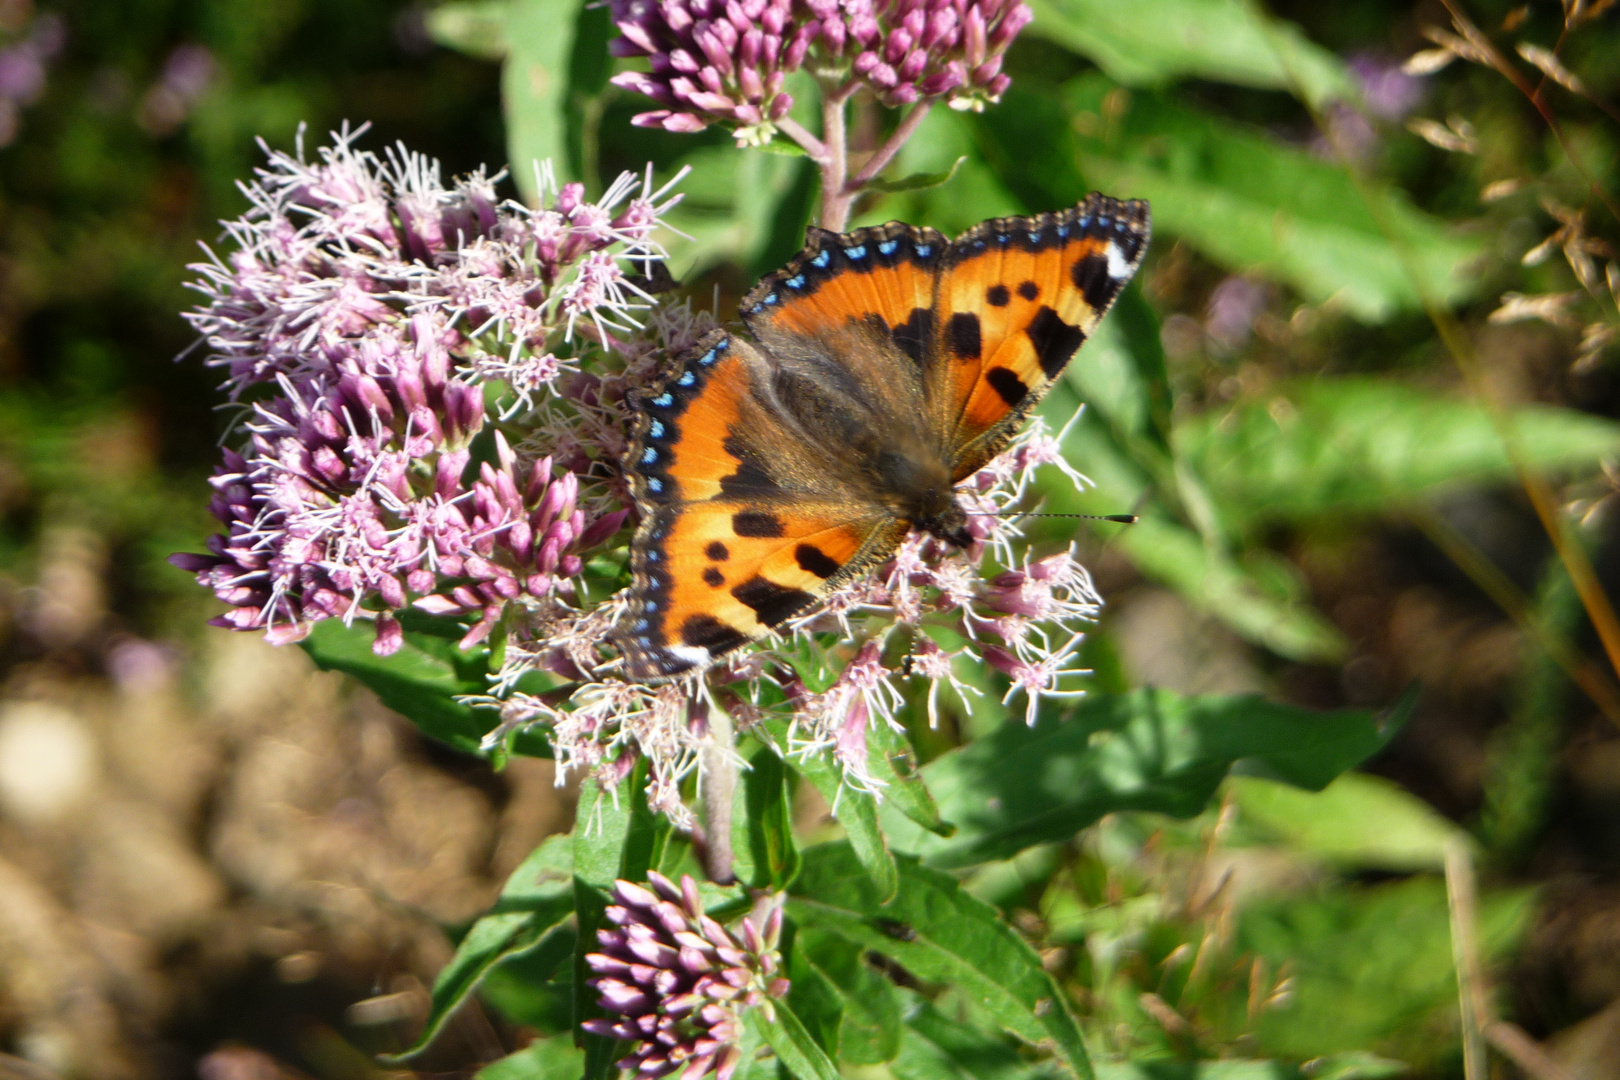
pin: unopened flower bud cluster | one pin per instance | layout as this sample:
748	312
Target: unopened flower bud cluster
727	61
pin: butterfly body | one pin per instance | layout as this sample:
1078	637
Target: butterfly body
888	365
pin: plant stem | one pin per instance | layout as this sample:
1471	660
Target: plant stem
1471	997
835	167
814	147
891	146
719	775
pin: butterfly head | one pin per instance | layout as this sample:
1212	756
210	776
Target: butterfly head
951	526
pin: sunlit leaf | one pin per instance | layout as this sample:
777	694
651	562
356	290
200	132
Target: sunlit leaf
556	1058
533	907
534	87
939	933
1149	42
793	1045
1146	750
1358	821
1359	445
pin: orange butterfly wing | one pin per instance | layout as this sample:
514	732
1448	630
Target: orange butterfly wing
743	526
1019	298
729	547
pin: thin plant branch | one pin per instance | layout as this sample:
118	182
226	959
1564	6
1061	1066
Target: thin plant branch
812	146
1508	71
1592	680
1472	1001
835	164
891	146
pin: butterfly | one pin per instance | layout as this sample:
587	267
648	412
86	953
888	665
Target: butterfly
887	365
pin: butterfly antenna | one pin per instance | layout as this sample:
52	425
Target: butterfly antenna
1122	519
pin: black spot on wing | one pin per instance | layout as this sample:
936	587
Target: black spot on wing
708	632
772	603
963	334
750	481
1029	290
716	551
1091	277
912	336
1055	341
997	296
713	578
756	523
1005	382
816	561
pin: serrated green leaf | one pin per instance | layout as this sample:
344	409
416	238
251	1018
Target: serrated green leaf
938	1047
783	146
556	1058
794	1047
1147	750
939	933
534	87
921	181
1361	445
1359	822
1150	42
534	905
866	1011
474	27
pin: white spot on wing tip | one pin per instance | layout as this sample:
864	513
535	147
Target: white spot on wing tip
1119	268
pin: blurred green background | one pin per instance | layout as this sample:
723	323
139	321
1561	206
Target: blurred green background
212	858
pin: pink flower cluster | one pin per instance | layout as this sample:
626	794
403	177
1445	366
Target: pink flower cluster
726	61
678	982
361	313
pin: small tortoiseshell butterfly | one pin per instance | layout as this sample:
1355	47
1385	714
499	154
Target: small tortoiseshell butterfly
888	365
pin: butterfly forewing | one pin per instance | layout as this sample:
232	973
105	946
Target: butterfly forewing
1018	298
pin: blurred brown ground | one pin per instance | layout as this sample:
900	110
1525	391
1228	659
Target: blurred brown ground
236	849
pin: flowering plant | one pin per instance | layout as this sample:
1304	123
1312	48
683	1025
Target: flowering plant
431	383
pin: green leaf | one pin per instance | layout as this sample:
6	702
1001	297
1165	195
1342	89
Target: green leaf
934	1046
1359	445
1238	194
603	842
556	1058
921	181
1194	565
841	985
1147	750
474	27
1359	822
939	933
534	87
1150	42
421	681
1369	967
770	821
794	1047
534	905
731	201
893	763
856	811
784	147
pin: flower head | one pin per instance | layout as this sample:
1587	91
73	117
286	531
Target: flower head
678	982
362	313
726	61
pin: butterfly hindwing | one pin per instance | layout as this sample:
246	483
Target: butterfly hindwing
1017	299
737	534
